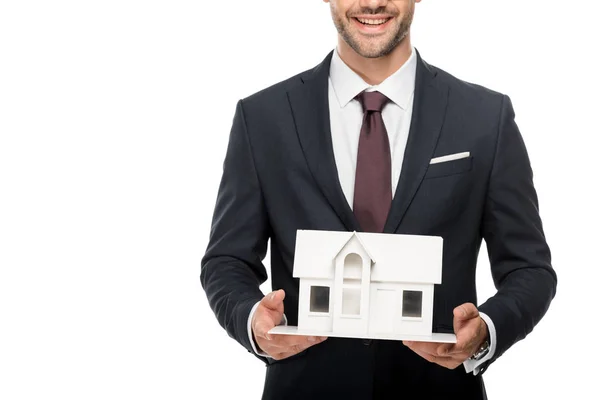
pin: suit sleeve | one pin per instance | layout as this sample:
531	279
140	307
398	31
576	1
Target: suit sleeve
518	253
232	268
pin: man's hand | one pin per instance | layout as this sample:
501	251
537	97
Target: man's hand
471	331
267	315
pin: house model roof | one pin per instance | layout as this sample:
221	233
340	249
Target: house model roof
395	258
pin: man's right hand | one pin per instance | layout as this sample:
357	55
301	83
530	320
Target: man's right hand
268	314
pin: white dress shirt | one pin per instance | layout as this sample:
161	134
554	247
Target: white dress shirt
346	117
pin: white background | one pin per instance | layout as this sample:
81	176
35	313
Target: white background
114	118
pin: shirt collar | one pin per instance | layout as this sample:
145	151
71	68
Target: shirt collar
398	87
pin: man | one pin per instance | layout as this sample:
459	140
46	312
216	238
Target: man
375	139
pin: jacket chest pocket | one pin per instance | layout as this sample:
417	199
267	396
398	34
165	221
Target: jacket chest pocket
448	168
445	194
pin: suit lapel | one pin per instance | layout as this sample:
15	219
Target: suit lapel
310	107
429	111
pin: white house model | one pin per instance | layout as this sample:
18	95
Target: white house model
367	285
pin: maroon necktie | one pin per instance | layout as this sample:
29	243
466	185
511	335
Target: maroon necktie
373	184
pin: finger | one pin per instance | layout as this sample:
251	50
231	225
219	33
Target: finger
446	349
427	347
268	314
274	300
435	349
288	341
457	352
465	311
279	352
467	336
463	341
446	362
449	350
262	325
293	350
459	347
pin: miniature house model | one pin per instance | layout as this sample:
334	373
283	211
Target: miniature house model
367	285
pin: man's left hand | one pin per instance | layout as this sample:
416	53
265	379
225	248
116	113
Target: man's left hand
471	331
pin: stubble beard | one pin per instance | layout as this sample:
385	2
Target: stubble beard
368	51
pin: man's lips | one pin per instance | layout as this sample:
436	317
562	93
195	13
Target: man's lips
382	22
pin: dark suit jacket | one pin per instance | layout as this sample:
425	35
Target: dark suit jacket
279	176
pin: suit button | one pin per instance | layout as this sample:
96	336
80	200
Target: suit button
367	342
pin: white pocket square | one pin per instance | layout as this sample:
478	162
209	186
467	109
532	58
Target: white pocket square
450	157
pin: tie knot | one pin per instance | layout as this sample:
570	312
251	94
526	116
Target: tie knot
372	101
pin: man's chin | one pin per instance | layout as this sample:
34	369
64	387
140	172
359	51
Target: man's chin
373	48
371	51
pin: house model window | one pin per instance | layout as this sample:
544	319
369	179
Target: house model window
351	288
412	303
319	299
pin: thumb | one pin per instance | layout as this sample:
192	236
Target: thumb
274	300
465	312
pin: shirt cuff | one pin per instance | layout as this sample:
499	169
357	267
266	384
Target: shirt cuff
475	365
251	336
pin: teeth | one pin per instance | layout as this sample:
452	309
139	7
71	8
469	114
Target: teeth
372	21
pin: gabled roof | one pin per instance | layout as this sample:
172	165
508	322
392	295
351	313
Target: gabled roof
357	235
396	258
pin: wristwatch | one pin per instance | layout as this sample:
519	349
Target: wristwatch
482	352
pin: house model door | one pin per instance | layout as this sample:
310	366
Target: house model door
352	281
383	311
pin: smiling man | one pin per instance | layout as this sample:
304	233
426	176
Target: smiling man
375	139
